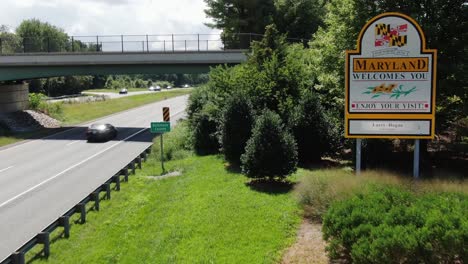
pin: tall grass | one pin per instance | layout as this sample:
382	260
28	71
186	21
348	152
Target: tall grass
177	143
317	190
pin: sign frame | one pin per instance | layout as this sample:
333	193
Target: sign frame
391	116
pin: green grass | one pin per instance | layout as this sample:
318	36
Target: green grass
206	215
115	90
78	113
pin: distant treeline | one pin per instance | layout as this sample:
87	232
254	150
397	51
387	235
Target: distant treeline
67	85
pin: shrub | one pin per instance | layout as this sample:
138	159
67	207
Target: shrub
198	98
312	128
391	225
271	151
54	110
204	127
35	100
236	127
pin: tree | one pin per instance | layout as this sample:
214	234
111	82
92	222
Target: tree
239	16
299	18
37	36
271	151
10	43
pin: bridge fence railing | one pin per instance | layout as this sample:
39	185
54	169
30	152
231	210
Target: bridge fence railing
130	43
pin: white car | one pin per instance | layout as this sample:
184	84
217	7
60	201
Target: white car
186	86
169	87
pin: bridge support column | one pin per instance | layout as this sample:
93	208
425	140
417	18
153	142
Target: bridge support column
14	97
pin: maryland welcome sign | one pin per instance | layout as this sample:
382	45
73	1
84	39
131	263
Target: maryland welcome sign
390	81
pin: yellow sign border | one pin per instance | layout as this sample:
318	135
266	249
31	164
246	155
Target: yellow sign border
430	116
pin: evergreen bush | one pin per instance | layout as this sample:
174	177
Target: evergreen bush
236	127
204	128
271	151
312	128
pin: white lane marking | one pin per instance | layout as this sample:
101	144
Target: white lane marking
73	142
66	170
6	169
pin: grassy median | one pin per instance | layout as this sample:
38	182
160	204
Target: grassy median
115	90
79	113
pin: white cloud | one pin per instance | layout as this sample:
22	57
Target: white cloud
111	17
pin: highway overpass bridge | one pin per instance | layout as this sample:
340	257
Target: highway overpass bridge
41	65
103	55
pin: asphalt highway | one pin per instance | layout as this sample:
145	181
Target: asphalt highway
42	179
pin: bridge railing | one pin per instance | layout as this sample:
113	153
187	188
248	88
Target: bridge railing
129	43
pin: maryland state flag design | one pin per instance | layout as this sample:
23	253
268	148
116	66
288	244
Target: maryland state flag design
390	35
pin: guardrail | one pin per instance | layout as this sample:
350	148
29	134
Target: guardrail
130	43
18	257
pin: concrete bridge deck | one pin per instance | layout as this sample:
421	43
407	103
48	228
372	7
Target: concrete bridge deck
40	65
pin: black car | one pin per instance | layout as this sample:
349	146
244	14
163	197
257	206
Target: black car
101	132
123	91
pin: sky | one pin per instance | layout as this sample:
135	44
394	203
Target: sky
111	17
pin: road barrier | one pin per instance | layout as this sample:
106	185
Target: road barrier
18	257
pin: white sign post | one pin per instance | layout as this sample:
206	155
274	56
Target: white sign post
390	81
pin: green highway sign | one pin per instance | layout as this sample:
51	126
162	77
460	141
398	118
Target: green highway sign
160	127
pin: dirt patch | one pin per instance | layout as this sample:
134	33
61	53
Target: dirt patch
309	247
167	175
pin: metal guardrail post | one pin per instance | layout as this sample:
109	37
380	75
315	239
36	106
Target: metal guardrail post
97	43
147	45
48	44
125	174
143	46
164	45
206	44
106	187
95	197
24	45
1	46
81	207
172	42
117	182
73	45
198	42
121	41
185	45
65	222
18	257
139	162
44	238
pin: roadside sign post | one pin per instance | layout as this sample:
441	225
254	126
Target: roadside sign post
358	156
161	128
390	84
416	160
162	154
